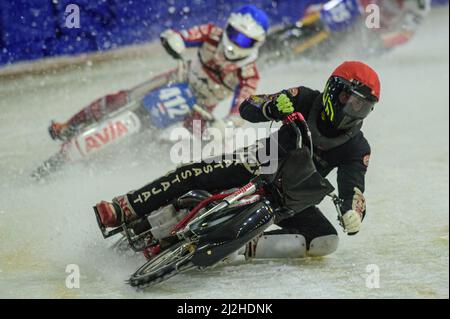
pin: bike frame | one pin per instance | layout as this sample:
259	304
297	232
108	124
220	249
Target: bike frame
183	230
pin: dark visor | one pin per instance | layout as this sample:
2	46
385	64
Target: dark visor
355	109
358	107
239	38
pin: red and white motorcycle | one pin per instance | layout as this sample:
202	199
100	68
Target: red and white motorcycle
156	104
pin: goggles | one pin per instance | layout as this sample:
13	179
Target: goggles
239	38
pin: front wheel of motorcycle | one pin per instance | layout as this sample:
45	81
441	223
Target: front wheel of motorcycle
167	264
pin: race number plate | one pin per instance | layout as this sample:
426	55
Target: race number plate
169	105
340	14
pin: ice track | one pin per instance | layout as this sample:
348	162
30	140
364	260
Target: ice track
44	227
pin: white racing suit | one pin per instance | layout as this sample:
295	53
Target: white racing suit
211	77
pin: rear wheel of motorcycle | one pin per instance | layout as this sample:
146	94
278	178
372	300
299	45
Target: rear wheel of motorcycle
167	264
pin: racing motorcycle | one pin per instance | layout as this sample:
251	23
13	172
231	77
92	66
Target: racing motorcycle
199	229
156	104
313	36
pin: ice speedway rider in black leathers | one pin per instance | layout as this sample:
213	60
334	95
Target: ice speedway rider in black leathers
335	118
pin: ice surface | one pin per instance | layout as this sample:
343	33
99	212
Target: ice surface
44	227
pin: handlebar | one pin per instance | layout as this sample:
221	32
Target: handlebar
181	75
296	116
182	67
338	204
293	119
208	116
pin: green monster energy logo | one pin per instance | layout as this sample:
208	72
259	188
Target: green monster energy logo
327	103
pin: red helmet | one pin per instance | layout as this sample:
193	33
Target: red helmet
350	94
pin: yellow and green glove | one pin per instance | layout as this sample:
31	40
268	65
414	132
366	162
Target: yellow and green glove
281	107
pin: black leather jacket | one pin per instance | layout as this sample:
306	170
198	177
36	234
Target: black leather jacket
349	152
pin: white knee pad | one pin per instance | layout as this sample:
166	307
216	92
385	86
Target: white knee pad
323	245
280	246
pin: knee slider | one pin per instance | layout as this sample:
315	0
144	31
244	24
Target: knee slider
323	245
280	246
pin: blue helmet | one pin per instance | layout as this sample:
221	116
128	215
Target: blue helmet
245	32
258	15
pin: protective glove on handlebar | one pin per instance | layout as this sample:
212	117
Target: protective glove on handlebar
352	218
352	222
281	107
173	43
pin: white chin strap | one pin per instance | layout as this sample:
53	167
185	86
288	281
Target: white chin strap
234	53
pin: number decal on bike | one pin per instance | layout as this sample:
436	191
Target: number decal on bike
174	102
168	93
169	104
176	107
340	13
